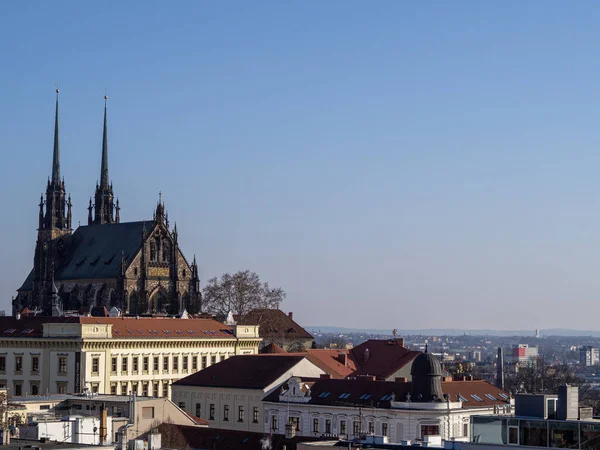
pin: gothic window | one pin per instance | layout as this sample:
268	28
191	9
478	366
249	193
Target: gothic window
158	301
165	251
152	251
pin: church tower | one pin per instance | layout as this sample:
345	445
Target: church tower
53	228
104	206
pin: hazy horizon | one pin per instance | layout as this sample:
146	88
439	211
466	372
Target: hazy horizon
389	165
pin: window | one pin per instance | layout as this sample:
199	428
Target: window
145	389
35	364
134	388
465	429
123	388
2	363
95	365
113	364
212	412
355	427
175	363
95	387
124	364
384	429
274	425
342	427
225	412
18	365
255	415
430	430
136	361
165	363
198	409
152	251
204	361
62	364
155	361
61	388
213	359
182	405
165	389
513	435
195	362
327	426
295	422
185	362
148	412
315	425
35	390
146	364
241	414
371	427
155	389
113	389
476	397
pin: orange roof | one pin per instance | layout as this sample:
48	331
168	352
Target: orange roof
329	361
159	327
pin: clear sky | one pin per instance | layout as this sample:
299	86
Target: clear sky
389	164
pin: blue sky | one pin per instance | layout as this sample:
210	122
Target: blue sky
389	164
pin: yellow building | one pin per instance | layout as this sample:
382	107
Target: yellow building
116	355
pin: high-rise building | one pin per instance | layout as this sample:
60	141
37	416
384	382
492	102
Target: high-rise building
589	356
524	354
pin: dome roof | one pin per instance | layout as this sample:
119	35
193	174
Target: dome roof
426	365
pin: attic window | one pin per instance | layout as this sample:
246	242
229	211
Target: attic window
109	260
491	397
344	395
81	261
386	397
476	397
27	331
462	399
504	396
93	263
10	331
324	394
365	397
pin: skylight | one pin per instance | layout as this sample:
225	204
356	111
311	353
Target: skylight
462	399
386	397
476	397
491	397
324	394
504	396
365	397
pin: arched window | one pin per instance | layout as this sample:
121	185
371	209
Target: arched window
152	251
165	251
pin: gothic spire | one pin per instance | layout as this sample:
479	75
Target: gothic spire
56	152
104	168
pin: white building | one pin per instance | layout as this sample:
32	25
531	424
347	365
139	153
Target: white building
589	356
524	354
398	411
112	355
229	395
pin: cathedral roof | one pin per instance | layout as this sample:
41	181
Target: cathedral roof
95	251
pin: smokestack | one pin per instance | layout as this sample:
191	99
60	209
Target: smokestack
500	369
103	423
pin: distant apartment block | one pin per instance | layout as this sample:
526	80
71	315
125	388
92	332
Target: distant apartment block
589	356
524	355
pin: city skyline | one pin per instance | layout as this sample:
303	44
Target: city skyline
371	161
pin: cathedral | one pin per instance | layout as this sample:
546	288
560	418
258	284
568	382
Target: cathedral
137	267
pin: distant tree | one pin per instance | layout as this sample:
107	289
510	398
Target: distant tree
540	378
239	293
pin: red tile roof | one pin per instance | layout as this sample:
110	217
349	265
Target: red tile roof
274	323
272	348
243	371
123	327
365	392
381	357
329	361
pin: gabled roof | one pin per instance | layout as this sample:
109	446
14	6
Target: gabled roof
243	372
369	393
381	358
274	323
329	362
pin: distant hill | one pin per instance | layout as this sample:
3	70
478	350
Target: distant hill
456	331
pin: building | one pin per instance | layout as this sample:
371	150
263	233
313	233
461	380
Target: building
279	328
589	356
109	355
524	355
229	394
396	410
135	266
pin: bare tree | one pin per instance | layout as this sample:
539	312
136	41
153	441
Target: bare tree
541	378
239	293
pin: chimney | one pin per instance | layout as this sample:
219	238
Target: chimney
500	369
103	420
399	341
291	315
343	358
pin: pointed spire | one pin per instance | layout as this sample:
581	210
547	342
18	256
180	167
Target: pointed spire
104	168
118	216
56	153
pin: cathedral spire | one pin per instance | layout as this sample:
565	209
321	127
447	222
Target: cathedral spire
56	152
104	206
104	168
